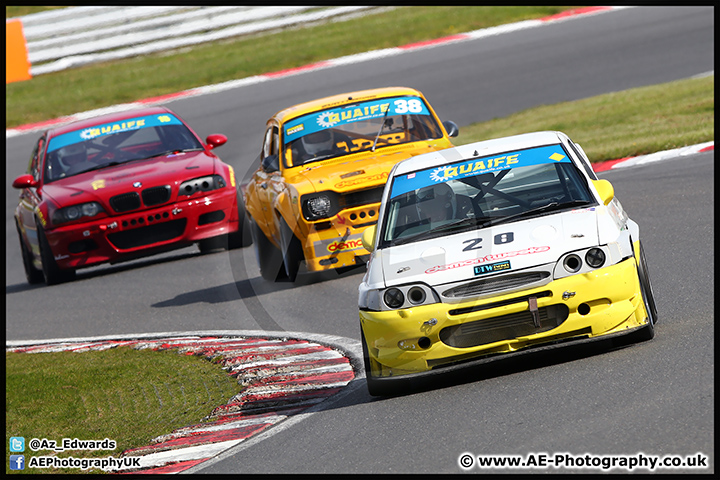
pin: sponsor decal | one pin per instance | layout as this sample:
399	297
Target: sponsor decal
477	166
349	245
41	217
355	112
485	259
98	184
359	180
295	129
328	246
493	267
110	129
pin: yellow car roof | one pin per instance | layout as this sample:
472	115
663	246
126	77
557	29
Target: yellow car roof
341	99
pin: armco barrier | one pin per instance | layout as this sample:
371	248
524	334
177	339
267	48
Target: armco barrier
76	36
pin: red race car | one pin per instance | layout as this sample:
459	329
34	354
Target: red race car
122	186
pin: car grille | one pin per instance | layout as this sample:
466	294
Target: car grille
156	195
125	202
131	200
505	327
363	197
138	237
495	284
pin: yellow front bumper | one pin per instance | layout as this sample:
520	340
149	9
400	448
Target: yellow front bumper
602	302
340	244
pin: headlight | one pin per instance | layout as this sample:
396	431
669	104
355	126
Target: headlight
319	205
76	212
202	184
595	257
393	298
572	263
584	261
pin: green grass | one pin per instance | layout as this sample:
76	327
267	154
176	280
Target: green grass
609	126
71	91
618	125
126	395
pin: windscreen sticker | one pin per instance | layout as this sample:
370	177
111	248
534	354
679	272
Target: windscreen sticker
112	128
487	258
493	267
353	113
523	158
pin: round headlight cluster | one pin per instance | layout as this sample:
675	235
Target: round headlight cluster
201	184
76	212
594	258
319	206
393	298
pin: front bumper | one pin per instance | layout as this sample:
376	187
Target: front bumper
338	243
144	232
606	301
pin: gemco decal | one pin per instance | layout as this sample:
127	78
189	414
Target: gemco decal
487	258
336	245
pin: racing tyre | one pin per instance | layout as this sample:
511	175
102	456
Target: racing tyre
32	274
292	251
242	238
269	258
648	332
51	272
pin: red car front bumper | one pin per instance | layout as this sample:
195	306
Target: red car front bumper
146	232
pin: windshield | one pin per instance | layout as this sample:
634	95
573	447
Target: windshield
113	143
357	127
481	192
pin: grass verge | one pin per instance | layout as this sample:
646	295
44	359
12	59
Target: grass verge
122	394
71	91
620	124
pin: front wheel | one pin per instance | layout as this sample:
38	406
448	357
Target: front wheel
51	272
268	256
32	274
292	251
646	291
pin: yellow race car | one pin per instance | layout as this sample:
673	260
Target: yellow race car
323	167
494	249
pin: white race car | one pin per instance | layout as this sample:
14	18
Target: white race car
492	249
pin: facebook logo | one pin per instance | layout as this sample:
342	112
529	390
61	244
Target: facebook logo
17	462
17	444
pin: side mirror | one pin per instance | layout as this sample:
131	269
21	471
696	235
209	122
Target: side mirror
368	238
605	189
451	128
215	140
271	163
24	181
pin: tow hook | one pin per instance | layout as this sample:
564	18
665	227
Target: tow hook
110	226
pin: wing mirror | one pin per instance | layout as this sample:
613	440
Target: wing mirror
368	238
605	189
271	163
215	140
24	181
451	128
